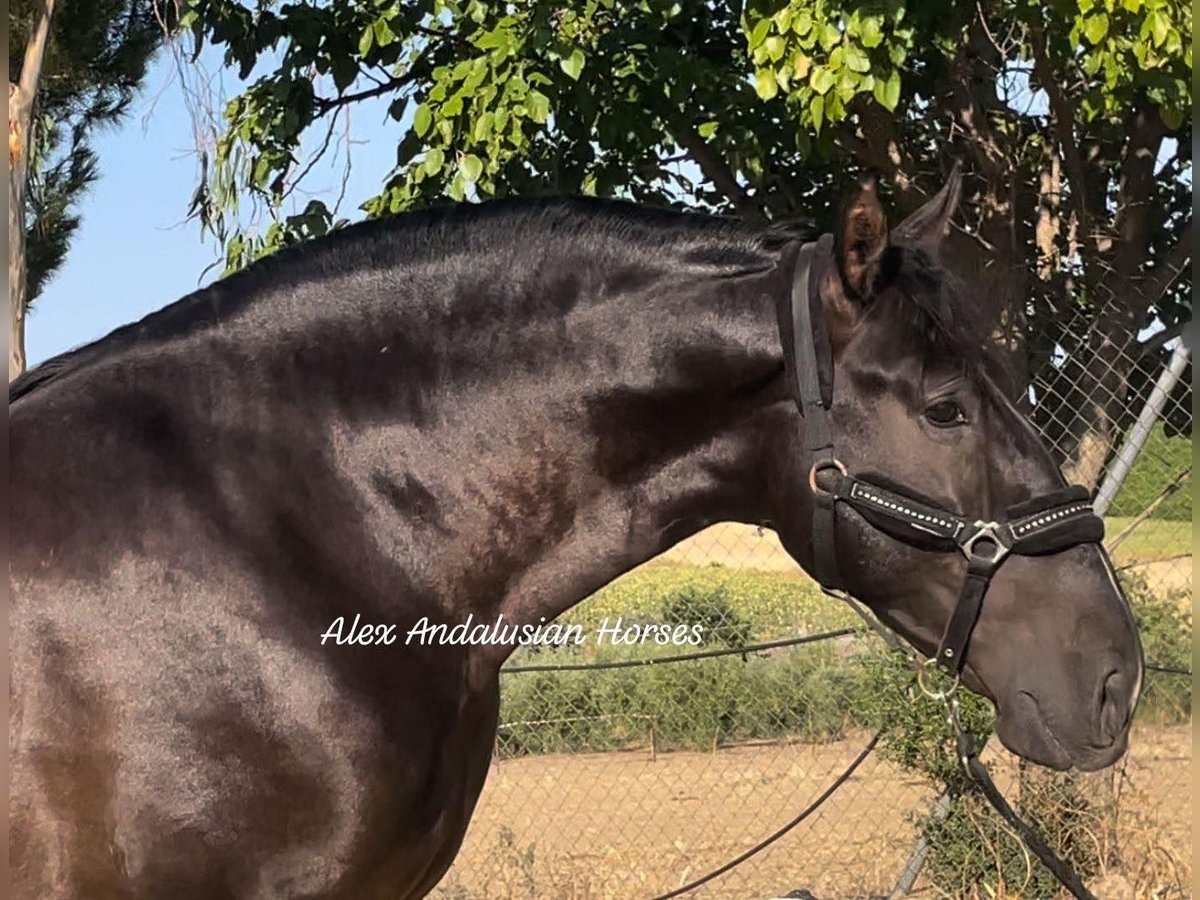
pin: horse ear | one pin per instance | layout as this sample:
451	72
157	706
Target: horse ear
928	225
861	238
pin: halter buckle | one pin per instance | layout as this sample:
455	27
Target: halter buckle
985	531
819	466
942	695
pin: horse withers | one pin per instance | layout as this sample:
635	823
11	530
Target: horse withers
485	411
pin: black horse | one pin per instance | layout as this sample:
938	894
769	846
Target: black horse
488	410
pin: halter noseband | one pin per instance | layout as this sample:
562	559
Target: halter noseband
1048	523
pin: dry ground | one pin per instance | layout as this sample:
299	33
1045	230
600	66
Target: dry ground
629	825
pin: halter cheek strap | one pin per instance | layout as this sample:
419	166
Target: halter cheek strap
814	397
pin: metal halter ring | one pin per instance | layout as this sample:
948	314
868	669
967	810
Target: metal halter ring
924	667
819	466
988	531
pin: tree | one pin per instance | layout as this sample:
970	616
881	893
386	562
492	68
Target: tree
1062	112
74	66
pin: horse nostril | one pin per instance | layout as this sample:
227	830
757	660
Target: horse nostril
1112	708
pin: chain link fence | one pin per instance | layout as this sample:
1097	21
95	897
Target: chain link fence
626	768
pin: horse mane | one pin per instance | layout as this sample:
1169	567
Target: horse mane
930	306
504	227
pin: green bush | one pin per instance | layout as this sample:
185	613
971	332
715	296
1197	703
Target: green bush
813	692
971	846
1165	626
711	609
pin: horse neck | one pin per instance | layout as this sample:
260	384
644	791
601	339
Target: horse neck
629	423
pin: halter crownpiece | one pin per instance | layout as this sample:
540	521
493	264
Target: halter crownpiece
1045	524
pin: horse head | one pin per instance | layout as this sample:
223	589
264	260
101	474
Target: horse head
936	503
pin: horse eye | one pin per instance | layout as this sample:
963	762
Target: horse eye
945	414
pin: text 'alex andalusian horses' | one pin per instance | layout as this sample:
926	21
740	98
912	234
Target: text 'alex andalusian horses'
485	411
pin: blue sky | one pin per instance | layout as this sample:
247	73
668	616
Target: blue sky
134	252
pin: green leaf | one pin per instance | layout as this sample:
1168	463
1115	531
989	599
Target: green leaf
1161	27
830	36
383	33
572	64
871	34
887	92
857	60
1172	117
345	70
707	129
817	108
435	158
759	33
483	127
1095	28
472	167
422	119
802	23
765	84
538	105
366	41
494	40
822	79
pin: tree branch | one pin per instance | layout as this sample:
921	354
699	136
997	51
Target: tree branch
1136	189
1173	264
325	104
717	171
1063	119
20	109
880	149
1158	339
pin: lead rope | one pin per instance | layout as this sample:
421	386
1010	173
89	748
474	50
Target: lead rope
968	758
775	836
895	644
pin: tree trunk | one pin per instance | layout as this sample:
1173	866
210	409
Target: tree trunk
16	254
21	99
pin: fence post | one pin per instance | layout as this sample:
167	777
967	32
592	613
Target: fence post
1136	439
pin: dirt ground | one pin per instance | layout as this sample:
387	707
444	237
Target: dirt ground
635	824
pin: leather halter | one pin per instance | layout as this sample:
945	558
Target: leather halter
1049	523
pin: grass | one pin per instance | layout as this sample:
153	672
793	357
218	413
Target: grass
1151	539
